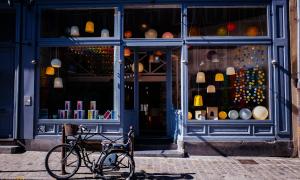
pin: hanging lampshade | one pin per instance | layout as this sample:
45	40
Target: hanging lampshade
252	31
50	71
127	52
58	83
151	58
230	71
151	33
158	53
219	77
128	34
198	100
140	67
211	89
89	27
75	31
104	33
168	35
200	77
56	63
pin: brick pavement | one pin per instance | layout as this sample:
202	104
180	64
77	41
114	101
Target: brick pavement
30	165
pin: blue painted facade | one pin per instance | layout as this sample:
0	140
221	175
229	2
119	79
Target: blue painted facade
27	43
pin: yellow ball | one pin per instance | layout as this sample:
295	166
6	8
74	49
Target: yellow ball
222	31
222	115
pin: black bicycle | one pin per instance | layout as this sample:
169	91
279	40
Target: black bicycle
114	162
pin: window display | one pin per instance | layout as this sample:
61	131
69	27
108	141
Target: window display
152	22
228	82
79	84
227	21
77	23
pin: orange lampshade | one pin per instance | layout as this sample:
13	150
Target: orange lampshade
127	52
50	71
127	34
219	77
89	27
252	31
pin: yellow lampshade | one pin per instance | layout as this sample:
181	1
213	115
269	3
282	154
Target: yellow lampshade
89	27
140	67
200	77
230	71
222	115
190	115
127	52
50	71
198	100
211	89
219	77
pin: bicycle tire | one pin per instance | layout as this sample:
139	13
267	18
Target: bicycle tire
56	152
121	156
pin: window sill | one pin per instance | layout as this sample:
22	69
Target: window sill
78	121
191	122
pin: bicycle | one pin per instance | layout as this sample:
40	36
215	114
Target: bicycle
115	159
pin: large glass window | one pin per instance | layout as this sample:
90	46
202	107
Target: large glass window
8	21
77	23
227	21
228	82
152	22
77	83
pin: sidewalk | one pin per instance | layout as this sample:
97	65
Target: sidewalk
30	165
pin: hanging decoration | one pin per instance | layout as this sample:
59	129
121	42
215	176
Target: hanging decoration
200	78
167	35
127	34
158	53
211	89
50	71
127	52
198	101
219	77
140	67
56	63
151	34
252	31
231	27
75	31
230	71
89	27
222	31
104	33
58	83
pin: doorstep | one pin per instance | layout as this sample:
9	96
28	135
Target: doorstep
159	153
11	149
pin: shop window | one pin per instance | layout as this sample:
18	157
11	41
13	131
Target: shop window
77	23
77	83
228	83
8	21
152	23
231	21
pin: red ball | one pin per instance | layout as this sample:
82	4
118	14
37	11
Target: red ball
231	26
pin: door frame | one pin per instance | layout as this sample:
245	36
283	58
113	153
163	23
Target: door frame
168	82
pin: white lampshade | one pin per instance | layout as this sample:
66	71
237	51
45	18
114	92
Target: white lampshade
104	33
211	89
75	31
230	71
56	63
151	33
200	77
58	83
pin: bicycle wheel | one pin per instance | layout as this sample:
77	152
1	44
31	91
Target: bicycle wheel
117	165
54	162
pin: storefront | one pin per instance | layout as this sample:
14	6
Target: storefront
191	71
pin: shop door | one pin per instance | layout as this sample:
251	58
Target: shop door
6	92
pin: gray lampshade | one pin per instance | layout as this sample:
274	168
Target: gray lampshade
58	83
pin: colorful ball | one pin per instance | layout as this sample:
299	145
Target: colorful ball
222	31
252	31
231	26
168	35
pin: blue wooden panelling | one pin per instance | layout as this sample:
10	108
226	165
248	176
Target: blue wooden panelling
281	73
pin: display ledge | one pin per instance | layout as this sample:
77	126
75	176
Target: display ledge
229	122
78	121
153	42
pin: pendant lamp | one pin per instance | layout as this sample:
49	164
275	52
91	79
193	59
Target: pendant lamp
75	31
127	52
89	27
200	77
58	83
56	63
198	101
151	33
211	89
230	71
140	67
219	77
50	71
104	33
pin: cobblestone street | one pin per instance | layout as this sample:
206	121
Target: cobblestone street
30	165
